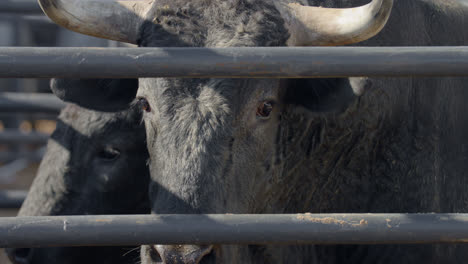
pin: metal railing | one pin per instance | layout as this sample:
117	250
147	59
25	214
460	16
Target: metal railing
9	136
12	199
33	156
232	63
30	102
233	229
20	7
276	62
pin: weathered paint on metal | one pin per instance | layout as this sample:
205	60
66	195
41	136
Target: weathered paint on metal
30	102
12	136
266	62
233	229
20	7
12	198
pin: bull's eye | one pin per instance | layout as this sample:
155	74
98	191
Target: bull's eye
264	109
144	105
109	153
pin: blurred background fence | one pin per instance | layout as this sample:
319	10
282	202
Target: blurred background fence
27	108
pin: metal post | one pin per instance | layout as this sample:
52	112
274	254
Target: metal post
233	229
267	62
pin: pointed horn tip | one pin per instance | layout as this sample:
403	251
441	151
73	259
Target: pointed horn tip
44	5
51	8
316	26
77	16
381	4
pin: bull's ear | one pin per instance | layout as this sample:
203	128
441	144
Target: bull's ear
323	94
108	95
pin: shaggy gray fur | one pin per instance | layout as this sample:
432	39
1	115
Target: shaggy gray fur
401	147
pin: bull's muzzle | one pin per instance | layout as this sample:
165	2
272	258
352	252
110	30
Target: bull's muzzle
182	254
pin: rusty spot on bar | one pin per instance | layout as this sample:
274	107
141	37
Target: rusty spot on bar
103	220
388	223
330	220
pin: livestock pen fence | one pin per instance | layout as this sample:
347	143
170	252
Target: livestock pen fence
24	113
27	109
47	231
232	63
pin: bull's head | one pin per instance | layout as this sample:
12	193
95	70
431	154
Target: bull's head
224	145
307	26
95	163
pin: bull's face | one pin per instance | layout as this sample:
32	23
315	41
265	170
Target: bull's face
95	164
231	146
218	138
225	146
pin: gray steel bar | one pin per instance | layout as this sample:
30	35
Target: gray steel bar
12	155
233	229
10	136
286	62
12	199
22	7
30	102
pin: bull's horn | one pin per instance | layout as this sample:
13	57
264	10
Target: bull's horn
316	26
115	20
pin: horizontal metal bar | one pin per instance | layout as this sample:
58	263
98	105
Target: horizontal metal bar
33	116
30	102
279	62
233	229
12	199
11	136
32	156
22	7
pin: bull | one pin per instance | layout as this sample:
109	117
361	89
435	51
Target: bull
95	163
290	146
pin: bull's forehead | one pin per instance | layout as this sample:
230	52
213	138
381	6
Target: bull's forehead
228	96
93	123
194	114
213	23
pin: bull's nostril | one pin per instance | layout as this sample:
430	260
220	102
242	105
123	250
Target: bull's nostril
19	255
209	258
154	255
182	254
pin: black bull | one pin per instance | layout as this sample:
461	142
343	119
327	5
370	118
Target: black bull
259	146
95	163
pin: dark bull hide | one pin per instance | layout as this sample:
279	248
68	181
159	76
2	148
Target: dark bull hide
95	164
272	146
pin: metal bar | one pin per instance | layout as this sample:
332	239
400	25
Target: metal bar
30	102
12	199
32	156
22	7
271	62
11	136
33	116
233	229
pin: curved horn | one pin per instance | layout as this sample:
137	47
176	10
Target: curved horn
117	20
316	26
